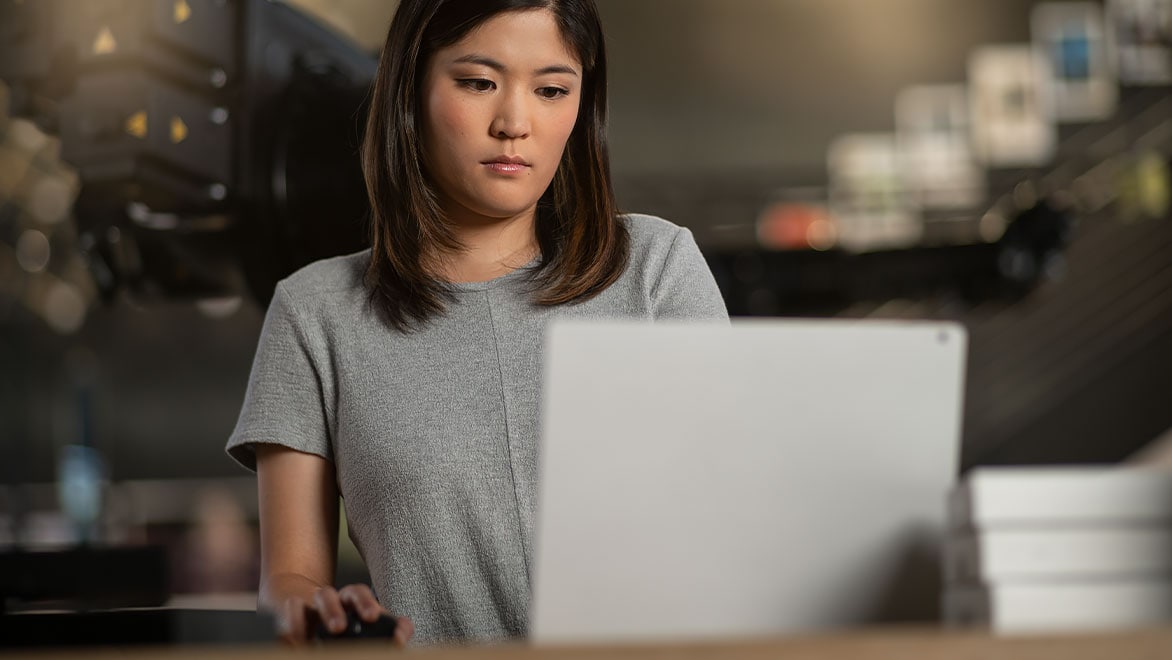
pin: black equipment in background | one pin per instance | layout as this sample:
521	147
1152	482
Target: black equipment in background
136	627
807	283
85	577
216	140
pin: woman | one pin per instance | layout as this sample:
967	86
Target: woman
405	378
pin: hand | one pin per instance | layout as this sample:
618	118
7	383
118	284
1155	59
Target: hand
296	617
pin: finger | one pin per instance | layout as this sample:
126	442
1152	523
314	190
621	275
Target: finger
291	622
361	599
404	630
329	608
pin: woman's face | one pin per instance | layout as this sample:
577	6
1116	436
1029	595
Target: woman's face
499	106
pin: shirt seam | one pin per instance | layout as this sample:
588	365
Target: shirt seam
500	369
663	268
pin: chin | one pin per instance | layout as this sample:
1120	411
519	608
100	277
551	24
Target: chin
501	208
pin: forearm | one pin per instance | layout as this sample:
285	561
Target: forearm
278	588
298	509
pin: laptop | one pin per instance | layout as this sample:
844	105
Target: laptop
700	481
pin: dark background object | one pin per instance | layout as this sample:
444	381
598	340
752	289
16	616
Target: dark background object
155	627
84	577
760	282
220	139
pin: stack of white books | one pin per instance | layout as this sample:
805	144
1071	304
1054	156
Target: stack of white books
1060	549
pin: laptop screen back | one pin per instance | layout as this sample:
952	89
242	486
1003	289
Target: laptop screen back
703	481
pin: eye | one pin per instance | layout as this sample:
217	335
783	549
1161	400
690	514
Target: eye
551	93
477	84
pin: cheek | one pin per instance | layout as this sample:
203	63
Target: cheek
448	121
563	125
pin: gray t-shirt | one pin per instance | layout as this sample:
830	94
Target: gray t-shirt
434	434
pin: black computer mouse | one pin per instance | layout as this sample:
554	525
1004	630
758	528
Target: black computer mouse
356	628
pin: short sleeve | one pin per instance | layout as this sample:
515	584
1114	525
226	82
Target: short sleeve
685	289
284	403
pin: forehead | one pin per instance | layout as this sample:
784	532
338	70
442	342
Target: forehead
524	36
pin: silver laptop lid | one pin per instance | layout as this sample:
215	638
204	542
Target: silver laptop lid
702	481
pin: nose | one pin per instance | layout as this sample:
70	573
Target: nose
512	118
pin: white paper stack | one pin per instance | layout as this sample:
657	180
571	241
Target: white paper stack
1060	549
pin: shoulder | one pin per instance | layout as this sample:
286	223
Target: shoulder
650	229
324	293
672	272
317	303
652	237
327	278
658	248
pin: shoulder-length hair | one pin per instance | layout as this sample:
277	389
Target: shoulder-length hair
584	246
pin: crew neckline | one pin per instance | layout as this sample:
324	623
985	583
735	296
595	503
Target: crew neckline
499	280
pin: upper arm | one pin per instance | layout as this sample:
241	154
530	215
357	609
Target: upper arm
298	503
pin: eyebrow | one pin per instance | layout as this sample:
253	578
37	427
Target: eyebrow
493	64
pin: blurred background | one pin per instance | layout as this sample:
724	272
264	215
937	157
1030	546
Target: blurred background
1003	163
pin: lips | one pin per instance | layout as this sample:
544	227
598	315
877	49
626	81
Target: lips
507	160
507	164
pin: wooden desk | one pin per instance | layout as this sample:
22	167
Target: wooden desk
891	644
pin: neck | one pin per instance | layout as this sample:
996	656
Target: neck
492	247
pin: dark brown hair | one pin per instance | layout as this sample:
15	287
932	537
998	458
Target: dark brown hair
584	246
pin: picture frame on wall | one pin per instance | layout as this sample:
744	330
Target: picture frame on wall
1072	36
936	160
1012	119
1139	34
